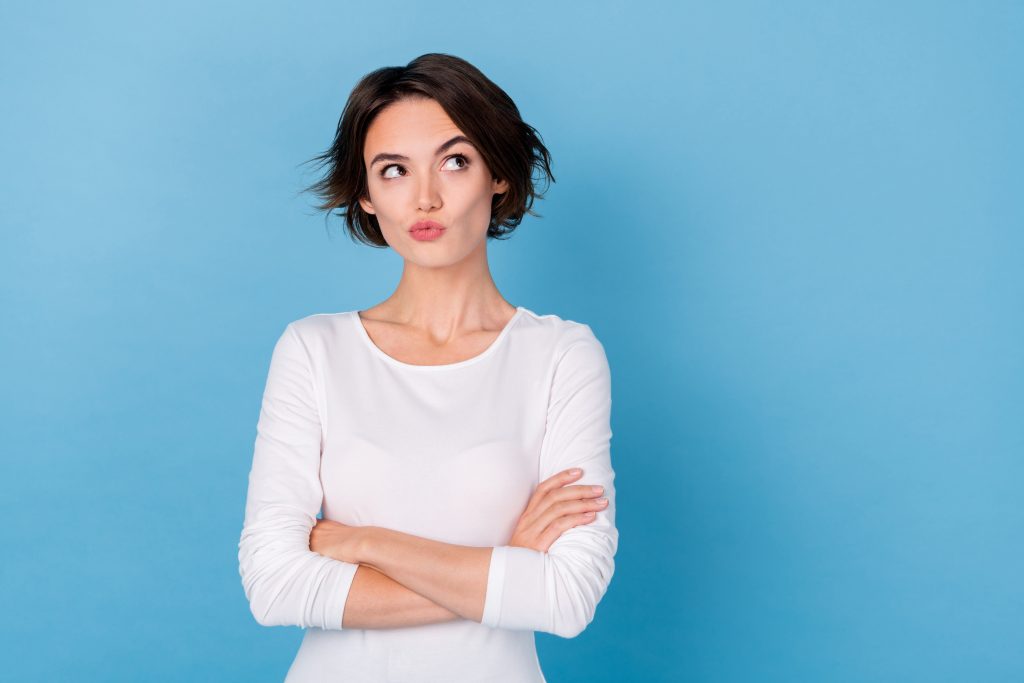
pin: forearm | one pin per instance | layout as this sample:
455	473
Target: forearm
451	576
378	601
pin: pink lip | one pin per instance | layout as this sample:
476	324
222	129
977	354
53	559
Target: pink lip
423	225
426	231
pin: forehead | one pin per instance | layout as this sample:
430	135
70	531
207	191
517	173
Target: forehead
409	126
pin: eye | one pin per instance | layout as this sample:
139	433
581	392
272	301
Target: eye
384	171
462	157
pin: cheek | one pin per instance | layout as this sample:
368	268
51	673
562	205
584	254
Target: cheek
387	199
474	194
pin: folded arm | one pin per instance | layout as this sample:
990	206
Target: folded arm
285	582
556	591
451	576
512	587
378	601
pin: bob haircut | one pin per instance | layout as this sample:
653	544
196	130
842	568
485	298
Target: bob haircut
511	148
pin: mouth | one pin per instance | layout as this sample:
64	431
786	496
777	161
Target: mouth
426	231
426	225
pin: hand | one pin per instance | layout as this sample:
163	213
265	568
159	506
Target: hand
337	540
554	508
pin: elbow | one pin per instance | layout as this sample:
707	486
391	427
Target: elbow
272	603
570	629
260	605
556	591
263	612
579	590
571	622
293	586
258	596
265	572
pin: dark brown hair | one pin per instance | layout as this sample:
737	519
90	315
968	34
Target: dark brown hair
511	148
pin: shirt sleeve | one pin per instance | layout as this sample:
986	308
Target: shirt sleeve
558	591
285	582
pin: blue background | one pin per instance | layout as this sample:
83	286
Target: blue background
796	227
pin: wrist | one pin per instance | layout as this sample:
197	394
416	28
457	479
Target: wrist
363	545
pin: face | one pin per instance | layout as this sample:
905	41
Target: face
416	173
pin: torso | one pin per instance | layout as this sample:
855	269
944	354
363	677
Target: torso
447	453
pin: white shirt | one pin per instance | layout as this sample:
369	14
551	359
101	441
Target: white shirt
447	452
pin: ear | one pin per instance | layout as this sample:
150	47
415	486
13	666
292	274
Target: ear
366	204
499	186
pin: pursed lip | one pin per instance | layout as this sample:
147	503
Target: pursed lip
422	225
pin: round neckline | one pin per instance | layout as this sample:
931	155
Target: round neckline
376	350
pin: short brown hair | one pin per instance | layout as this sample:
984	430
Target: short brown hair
511	148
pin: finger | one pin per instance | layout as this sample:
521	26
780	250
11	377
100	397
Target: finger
554	531
542	507
575	492
560	479
550	484
559	495
569	508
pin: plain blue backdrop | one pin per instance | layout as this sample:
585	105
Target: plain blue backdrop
795	226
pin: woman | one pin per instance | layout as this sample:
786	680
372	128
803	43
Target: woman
458	445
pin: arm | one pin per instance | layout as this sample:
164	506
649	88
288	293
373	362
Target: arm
378	601
558	591
451	576
285	582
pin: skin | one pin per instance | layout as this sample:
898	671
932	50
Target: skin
446	308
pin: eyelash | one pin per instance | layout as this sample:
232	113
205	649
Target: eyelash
464	158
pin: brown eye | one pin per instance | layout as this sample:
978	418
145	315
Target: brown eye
462	157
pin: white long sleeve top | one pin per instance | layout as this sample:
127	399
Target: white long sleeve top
447	452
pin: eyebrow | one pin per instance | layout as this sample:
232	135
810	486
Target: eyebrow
385	156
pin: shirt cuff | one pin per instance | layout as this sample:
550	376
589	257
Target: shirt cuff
344	576
495	587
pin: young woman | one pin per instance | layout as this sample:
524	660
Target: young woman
458	445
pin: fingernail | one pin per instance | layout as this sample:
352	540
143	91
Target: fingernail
574	471
597	489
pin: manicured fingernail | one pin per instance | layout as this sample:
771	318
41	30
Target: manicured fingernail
597	489
574	471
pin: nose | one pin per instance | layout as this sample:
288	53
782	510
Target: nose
427	197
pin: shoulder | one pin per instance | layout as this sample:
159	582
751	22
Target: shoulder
318	332
570	342
564	331
319	323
